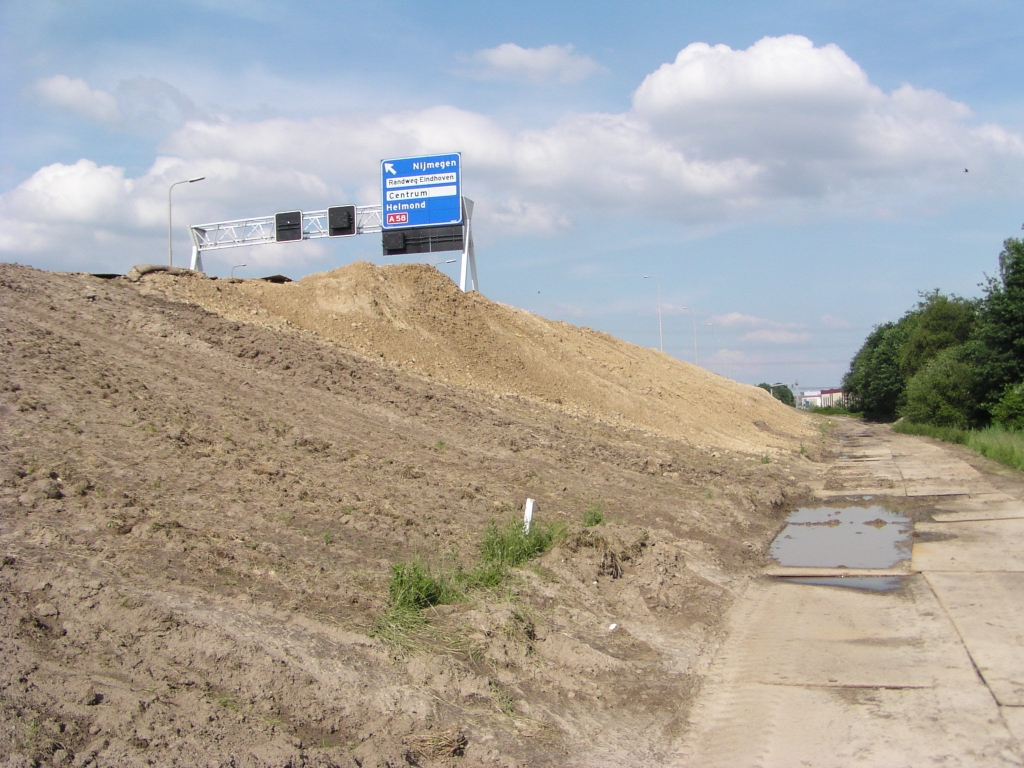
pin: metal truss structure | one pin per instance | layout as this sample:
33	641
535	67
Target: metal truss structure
259	230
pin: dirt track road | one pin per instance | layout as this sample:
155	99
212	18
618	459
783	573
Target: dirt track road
930	674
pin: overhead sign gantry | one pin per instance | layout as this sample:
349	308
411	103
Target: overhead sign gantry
422	210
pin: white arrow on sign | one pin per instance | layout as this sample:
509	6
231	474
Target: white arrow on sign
389	168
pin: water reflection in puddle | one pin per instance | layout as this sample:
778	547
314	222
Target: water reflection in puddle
850	537
869	583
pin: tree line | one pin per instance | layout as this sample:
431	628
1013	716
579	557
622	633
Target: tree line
949	361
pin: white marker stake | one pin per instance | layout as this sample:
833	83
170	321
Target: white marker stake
527	516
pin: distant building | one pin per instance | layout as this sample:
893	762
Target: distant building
820	398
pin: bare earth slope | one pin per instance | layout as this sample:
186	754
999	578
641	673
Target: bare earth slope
413	317
198	518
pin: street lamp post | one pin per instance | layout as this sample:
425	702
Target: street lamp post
170	255
693	314
661	336
236	267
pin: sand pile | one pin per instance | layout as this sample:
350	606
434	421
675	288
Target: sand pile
415	318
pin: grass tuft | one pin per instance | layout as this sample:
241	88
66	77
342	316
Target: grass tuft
593	516
414	585
397	624
506	545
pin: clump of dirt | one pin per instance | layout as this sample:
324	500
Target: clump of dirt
414	318
199	517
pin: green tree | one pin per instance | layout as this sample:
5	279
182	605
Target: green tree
996	349
1009	411
875	383
780	392
940	393
940	322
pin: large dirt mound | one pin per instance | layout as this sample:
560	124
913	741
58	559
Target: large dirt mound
199	519
415	318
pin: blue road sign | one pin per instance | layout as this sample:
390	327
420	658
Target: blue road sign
421	191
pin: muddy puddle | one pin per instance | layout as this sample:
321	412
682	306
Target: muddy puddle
845	537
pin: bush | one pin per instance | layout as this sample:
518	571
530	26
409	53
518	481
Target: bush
837	410
940	393
1009	411
593	516
946	434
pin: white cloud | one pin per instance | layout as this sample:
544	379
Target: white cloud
831	321
84	215
139	103
809	119
509	61
717	135
149	104
76	96
761	329
83	192
740	320
777	336
512	215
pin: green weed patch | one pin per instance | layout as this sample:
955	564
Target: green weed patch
415	585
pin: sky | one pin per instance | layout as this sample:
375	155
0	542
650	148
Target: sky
789	174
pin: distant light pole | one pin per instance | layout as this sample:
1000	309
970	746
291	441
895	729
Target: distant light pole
661	336
234	268
713	343
693	314
449	261
170	255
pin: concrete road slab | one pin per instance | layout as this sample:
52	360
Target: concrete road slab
895	492
931	471
797	634
874	473
867	452
978	546
1014	718
774	726
942	488
934	466
981	514
992	496
986	609
961	510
